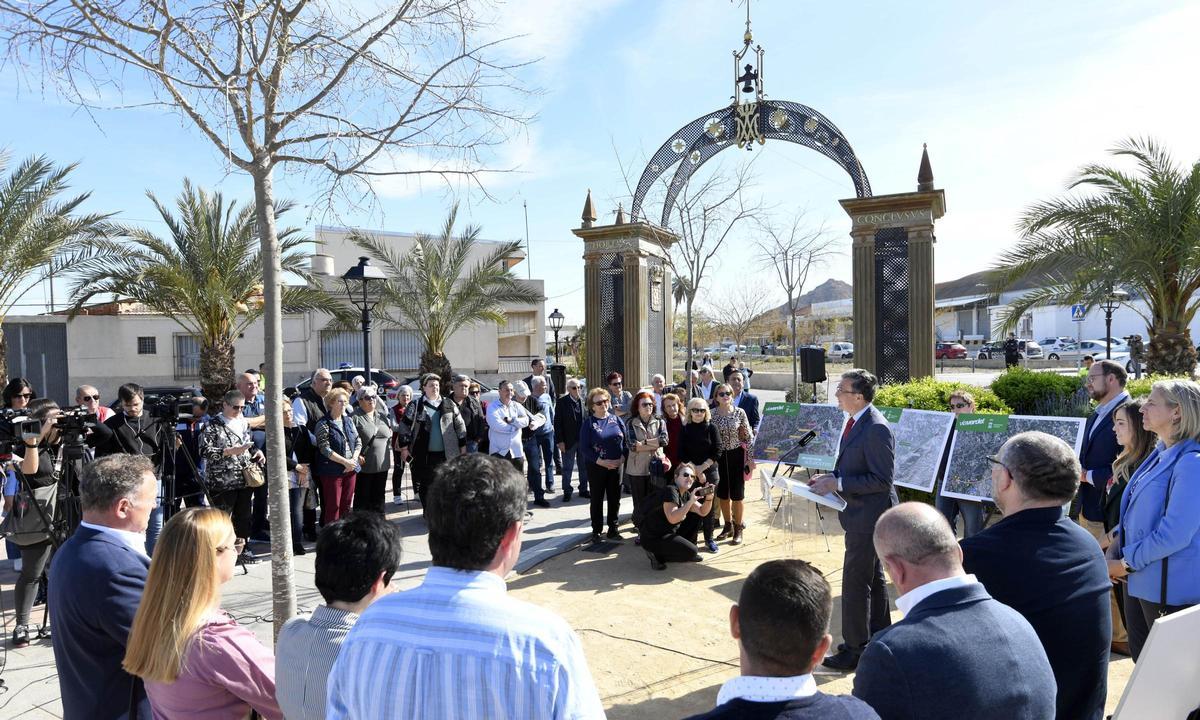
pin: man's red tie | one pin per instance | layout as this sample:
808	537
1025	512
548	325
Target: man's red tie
849	427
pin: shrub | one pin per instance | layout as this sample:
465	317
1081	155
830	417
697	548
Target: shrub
1038	393
1141	388
930	394
806	394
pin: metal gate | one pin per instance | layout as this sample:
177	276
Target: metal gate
891	305
401	350
612	314
339	347
38	353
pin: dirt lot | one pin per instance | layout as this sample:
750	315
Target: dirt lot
658	643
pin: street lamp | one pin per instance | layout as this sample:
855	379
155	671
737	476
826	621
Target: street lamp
987	315
361	288
556	322
1111	302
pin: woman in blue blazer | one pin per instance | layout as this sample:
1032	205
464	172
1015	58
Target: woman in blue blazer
1160	514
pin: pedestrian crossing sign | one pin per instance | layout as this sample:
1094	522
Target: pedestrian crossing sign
1078	313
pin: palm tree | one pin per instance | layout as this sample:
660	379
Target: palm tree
207	276
1139	230
433	289
39	234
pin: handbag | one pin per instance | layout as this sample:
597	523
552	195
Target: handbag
253	475
24	525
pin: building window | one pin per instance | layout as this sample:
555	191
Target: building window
147	345
187	357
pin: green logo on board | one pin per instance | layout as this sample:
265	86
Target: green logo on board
969	422
892	414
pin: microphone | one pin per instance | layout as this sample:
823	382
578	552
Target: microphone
810	435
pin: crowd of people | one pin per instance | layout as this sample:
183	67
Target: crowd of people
1026	610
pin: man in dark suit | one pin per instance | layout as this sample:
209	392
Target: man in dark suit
1105	382
1047	568
99	575
781	623
862	474
568	417
957	652
743	399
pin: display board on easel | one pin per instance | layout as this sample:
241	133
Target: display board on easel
921	437
969	474
785	424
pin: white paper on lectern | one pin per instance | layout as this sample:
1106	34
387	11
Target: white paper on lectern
801	489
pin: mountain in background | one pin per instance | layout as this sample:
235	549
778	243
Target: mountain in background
831	289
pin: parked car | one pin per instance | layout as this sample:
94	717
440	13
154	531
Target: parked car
385	381
949	351
1118	344
1057	344
1095	348
1048	342
996	350
841	351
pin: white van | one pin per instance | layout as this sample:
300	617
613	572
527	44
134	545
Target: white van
841	351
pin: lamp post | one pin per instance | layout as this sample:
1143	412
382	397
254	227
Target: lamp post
1111	302
556	322
360	288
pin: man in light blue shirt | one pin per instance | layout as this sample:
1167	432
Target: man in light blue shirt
458	646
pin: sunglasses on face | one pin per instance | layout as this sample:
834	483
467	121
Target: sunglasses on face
473	392
959	406
687	474
600	402
646	404
698	410
25	394
85	398
724	394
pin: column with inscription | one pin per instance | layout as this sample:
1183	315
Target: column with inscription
893	282
627	301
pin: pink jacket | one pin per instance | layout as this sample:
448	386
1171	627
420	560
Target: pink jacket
225	672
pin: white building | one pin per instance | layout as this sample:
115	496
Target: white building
123	342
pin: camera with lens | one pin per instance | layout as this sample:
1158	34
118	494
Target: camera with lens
75	421
703	491
13	423
170	407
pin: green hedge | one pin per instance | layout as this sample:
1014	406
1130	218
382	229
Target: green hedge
930	394
1042	393
1141	388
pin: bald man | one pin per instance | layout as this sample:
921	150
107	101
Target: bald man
957	652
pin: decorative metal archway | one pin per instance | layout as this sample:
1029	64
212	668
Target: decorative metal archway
738	126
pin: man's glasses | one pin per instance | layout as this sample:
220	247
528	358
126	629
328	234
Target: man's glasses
85	398
237	407
368	398
616	383
995	460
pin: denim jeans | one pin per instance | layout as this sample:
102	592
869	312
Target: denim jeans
545	444
572	457
296	506
154	527
972	514
533	467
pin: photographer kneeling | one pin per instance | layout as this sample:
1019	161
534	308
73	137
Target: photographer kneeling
28	526
673	517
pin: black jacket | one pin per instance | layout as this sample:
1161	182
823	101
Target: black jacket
473	417
142	435
568	416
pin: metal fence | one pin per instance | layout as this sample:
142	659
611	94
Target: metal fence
511	364
340	347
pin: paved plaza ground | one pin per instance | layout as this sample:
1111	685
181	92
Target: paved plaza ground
657	643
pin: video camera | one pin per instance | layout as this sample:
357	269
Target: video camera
172	408
13	423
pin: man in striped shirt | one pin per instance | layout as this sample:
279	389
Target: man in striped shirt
458	646
356	558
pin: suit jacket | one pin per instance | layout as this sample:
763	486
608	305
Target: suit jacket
1051	571
749	403
1000	671
1151	530
568	416
549	385
1097	455
866	465
98	582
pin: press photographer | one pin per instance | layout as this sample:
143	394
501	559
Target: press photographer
35	509
673	515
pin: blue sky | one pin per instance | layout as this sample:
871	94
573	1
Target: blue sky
1010	97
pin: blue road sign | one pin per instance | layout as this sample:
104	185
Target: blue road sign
1078	313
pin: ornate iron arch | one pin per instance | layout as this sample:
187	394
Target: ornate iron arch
737	126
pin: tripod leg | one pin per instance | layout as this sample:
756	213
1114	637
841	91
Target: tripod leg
821	524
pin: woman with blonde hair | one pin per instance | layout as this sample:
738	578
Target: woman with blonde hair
602	444
338	450
1156	546
196	661
699	444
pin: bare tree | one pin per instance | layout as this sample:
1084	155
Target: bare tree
793	251
736	311
318	85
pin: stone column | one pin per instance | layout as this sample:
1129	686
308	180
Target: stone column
635	245
913	214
